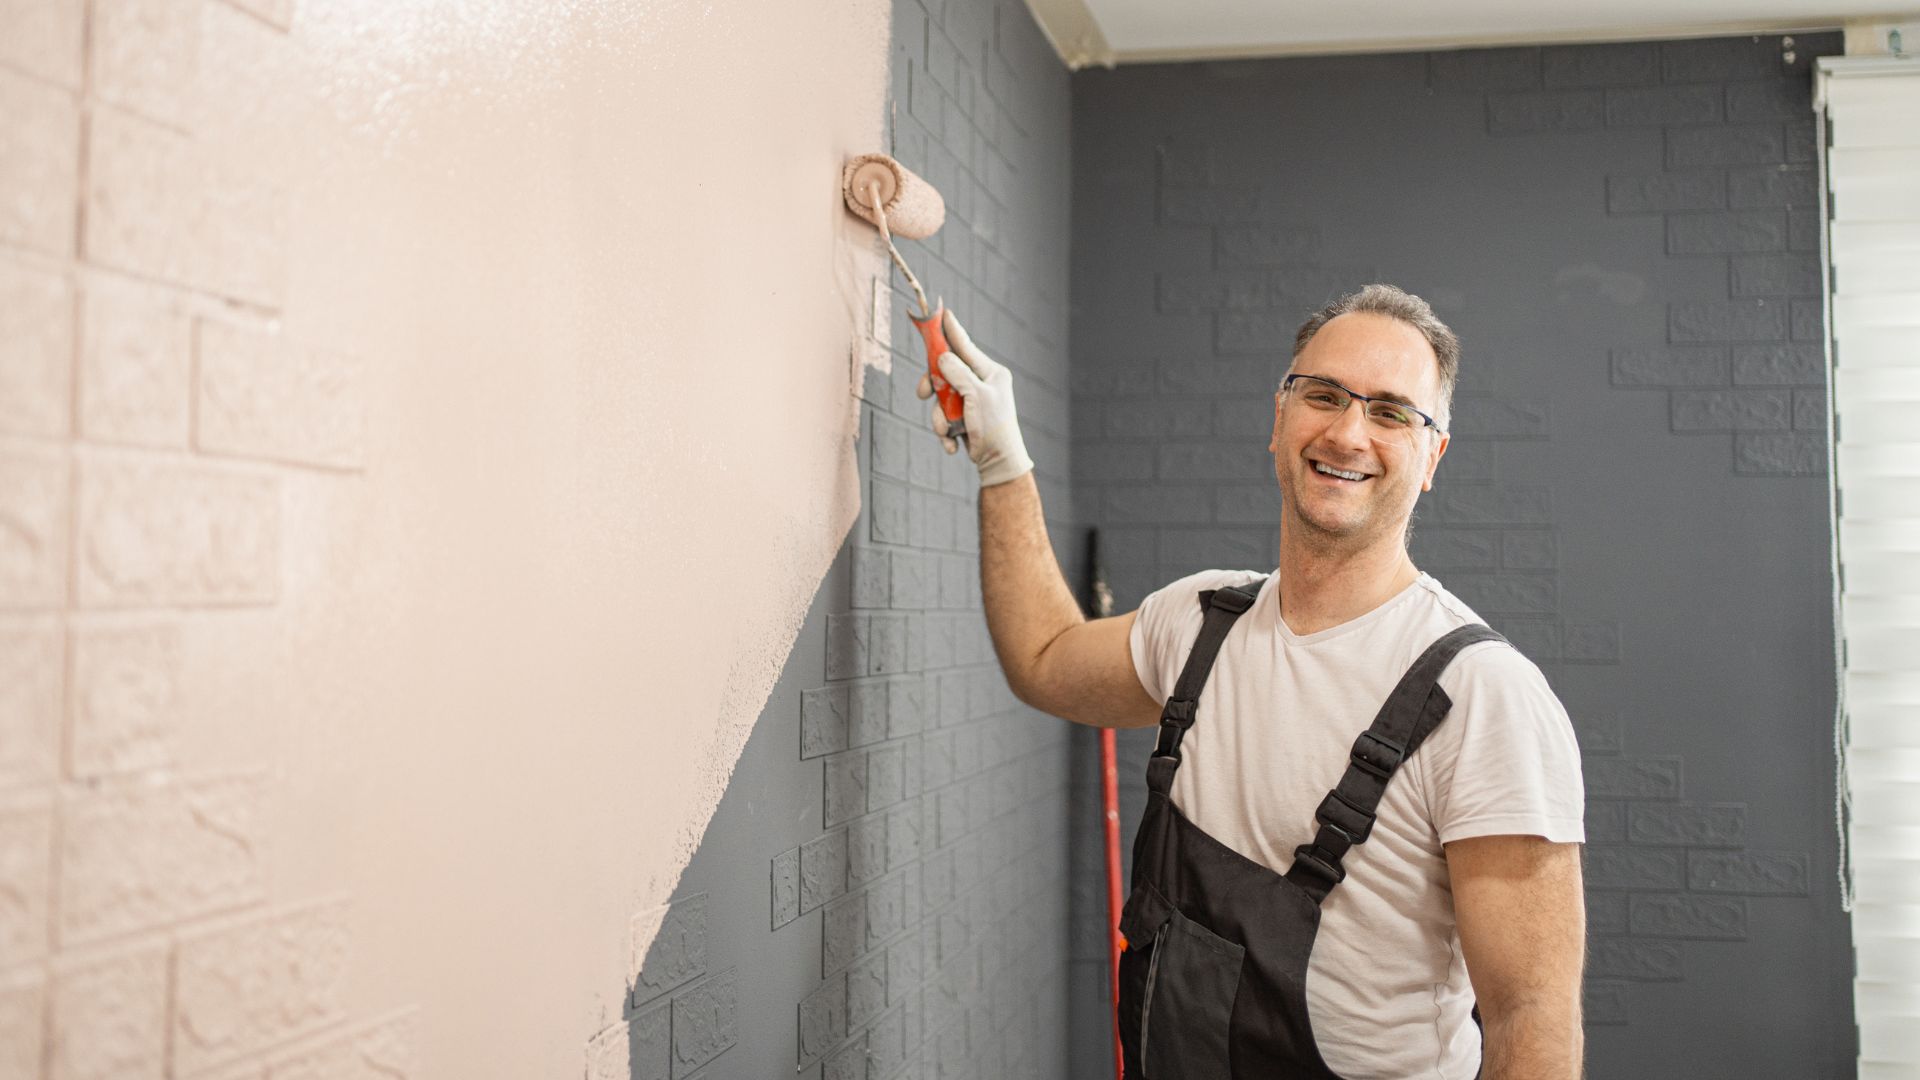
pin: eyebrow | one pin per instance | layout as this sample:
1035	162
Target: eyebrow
1386	395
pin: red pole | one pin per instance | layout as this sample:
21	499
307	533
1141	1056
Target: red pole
1110	799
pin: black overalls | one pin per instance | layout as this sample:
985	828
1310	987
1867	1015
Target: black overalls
1213	981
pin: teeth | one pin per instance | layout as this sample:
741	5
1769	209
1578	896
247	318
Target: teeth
1331	471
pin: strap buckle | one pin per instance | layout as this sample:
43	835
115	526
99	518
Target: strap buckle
1352	822
1320	863
1179	712
1376	756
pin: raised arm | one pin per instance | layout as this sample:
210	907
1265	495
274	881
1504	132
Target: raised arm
1522	919
1055	659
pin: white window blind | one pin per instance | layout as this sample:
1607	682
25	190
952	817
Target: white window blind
1870	108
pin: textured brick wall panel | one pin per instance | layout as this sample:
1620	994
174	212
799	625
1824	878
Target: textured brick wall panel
676	951
823	869
145	58
1218	205
386	1048
1604	1002
1506	594
260	395
172	533
40	165
125	697
1606	912
1779	365
1555	110
1487	504
1772	99
135	361
1721	234
36	350
34	506
44	40
1677	366
142	197
1456	549
23	1006
1774	185
1637	961
1486	417
1698	826
1737	320
706	1021
1753	873
1590	642
26	872
1779	453
1633	778
1774	275
1704	189
1731	144
1719	60
32	670
108	1016
1655	106
1602	735
1477	70
1699	918
256	983
1264	245
1224	377
1732	410
1630	64
136	856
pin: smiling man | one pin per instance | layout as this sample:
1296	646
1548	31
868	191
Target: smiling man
1371	822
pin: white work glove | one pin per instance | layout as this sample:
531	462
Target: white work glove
986	389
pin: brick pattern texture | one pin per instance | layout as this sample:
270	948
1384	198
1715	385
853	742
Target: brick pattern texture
907	919
936	885
1625	236
150	410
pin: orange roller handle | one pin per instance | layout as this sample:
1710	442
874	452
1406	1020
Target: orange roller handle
951	406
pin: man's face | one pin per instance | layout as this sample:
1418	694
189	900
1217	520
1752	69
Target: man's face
1381	357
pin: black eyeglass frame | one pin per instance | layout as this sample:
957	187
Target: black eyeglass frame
1286	385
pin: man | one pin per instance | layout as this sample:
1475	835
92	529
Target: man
1375	883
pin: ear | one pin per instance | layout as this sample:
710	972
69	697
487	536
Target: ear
1433	461
1273	444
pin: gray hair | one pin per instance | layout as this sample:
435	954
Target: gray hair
1396	303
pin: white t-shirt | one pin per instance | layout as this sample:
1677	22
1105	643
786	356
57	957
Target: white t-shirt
1387	990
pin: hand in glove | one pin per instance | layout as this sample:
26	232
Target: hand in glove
986	387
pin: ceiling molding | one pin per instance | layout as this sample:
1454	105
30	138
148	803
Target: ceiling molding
1659	32
1073	32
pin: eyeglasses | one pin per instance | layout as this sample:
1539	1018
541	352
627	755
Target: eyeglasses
1325	395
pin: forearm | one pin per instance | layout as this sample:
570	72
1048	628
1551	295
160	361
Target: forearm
1534	1041
1027	600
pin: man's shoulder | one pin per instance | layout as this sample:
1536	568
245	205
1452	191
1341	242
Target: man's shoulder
1185	590
1498	661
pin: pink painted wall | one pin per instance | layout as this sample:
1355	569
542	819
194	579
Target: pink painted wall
423	425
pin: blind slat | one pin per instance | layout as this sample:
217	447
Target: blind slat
1874	184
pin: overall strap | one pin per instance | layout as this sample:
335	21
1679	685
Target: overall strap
1411	712
1222	607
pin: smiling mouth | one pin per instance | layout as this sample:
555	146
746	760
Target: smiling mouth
1338	474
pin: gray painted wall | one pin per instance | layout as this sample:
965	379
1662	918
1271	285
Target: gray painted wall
885	875
1625	238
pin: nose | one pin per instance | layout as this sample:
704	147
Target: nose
1348	431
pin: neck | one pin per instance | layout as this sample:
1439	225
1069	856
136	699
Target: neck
1324	583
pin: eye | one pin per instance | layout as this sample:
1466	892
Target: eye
1391	414
1323	396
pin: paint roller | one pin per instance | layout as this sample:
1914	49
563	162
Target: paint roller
890	197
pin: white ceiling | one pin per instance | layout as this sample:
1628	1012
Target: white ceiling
1171	29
